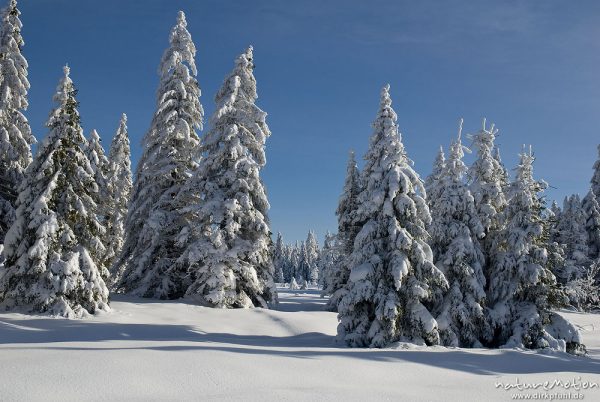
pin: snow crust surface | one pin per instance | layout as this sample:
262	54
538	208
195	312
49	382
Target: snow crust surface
151	350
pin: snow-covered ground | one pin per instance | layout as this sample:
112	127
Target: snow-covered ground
156	350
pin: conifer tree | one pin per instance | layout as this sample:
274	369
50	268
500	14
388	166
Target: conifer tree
556	250
98	161
313	252
93	150
573	235
119	190
392	275
347	230
295	261
170	154
432	186
287	263
225	204
15	134
592	224
329	260
487	180
455	231
279	258
523	290
303	268
52	248
596	176
504	178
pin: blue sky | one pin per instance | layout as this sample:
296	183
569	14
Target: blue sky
531	67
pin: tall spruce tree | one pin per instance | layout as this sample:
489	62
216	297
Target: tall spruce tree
522	289
94	151
572	234
504	177
595	181
455	232
295	258
487	180
228	253
328	260
347	230
170	154
98	161
576	228
311	263
432	181
392	275
592	224
15	134
279	258
119	191
52	248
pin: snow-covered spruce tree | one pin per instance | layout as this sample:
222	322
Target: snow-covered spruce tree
98	161
504	177
432	186
596	176
328	260
303	267
522	290
577	227
225	205
94	151
555	212
347	230
392	276
288	268
455	231
487	179
279	258
170	153
312	259
572	234
584	292
15	134
556	251
119	190
294	268
52	248
592	224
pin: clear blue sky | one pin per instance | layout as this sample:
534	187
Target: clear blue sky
531	67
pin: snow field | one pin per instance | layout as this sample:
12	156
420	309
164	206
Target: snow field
151	350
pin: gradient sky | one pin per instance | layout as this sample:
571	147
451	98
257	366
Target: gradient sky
531	67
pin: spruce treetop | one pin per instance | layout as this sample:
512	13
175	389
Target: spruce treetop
14	86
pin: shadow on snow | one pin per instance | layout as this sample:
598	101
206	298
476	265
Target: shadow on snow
40	332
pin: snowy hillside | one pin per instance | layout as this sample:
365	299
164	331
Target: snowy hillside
169	350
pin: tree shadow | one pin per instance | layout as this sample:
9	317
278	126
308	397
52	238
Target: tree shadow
40	332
